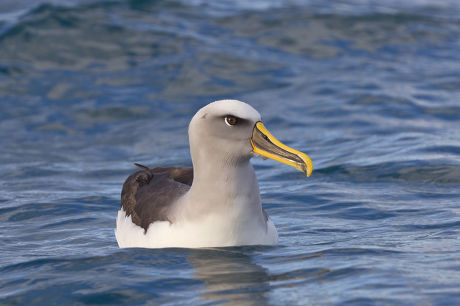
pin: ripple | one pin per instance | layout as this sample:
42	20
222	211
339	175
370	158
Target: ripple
416	227
396	172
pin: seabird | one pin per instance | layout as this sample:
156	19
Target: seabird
217	202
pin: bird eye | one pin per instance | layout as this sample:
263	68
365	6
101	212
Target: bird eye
231	120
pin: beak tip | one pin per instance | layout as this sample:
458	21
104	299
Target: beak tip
307	167
308	171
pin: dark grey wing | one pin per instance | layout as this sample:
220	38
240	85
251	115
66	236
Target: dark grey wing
182	175
148	194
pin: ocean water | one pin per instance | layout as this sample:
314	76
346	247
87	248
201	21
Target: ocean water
369	89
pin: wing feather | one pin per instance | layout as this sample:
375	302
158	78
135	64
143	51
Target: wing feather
147	195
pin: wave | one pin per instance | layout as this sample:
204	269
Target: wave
408	172
12	12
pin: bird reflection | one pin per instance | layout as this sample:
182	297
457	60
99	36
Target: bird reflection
230	276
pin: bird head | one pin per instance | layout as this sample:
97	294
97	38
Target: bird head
232	131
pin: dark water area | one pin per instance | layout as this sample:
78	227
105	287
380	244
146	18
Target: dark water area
369	89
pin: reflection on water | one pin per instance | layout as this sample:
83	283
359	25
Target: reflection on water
230	276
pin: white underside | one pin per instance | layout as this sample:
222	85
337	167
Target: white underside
212	231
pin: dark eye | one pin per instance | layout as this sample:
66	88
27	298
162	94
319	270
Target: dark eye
231	120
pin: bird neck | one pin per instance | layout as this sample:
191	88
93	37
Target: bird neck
226	176
224	187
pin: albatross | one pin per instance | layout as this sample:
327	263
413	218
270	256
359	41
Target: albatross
217	202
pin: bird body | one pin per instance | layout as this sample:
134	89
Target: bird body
217	203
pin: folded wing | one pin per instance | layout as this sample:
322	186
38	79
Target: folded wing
147	195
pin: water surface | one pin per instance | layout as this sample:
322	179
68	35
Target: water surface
369	89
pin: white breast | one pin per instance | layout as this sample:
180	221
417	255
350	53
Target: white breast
212	231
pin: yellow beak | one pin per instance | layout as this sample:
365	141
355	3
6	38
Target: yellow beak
264	144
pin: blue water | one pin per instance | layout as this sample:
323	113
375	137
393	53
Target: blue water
369	89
